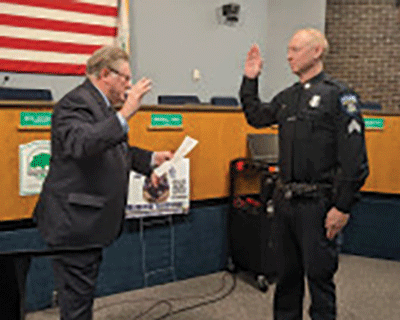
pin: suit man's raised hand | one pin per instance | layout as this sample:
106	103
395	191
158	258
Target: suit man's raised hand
134	97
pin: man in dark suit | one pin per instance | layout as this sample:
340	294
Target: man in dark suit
82	203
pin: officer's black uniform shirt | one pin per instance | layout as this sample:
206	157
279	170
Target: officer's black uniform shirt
321	133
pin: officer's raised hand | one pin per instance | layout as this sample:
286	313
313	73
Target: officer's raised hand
253	64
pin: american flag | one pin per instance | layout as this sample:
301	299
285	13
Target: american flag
54	37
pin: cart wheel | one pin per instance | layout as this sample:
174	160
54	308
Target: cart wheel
262	283
231	267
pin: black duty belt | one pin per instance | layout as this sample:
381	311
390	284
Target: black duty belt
300	189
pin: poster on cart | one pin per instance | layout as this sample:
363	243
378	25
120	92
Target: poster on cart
172	195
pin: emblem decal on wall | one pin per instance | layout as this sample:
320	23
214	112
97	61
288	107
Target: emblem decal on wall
34	163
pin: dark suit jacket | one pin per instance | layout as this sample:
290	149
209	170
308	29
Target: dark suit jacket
84	195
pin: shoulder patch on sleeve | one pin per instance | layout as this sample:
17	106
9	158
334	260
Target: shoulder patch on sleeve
349	103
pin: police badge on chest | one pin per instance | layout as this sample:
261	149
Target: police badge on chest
315	101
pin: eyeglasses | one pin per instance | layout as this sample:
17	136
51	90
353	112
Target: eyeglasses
126	77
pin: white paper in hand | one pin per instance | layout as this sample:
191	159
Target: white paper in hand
186	146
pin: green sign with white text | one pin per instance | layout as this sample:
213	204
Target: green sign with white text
166	120
35	119
374	123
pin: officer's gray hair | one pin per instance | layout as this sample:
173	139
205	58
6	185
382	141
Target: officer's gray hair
104	57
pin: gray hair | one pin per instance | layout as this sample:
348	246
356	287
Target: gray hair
104	57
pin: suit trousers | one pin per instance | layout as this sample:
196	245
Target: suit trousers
303	251
75	276
14	271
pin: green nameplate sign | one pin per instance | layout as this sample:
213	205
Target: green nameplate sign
374	123
35	119
166	120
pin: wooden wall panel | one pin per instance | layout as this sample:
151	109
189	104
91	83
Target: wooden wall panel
383	149
222	137
13	206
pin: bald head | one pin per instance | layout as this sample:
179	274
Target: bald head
306	51
313	37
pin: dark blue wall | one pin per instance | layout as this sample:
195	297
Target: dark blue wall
374	227
198	247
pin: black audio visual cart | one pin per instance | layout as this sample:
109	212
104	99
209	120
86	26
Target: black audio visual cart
250	221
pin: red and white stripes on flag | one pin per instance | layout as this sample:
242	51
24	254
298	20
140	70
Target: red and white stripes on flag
54	37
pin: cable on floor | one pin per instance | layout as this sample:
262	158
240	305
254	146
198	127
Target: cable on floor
170	300
204	303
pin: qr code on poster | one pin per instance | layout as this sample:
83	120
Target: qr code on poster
179	186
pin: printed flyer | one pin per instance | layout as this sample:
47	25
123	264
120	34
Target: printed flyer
172	195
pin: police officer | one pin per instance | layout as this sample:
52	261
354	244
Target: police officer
323	164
